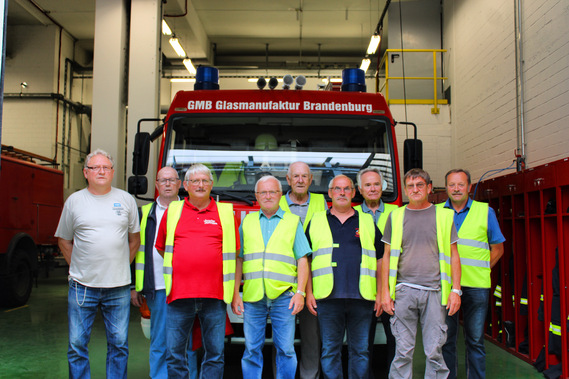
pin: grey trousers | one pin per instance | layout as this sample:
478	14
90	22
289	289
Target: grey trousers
412	306
310	345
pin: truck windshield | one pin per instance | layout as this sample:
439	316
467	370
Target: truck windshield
240	149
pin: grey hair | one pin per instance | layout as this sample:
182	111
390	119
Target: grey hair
366	170
99	152
331	184
263	179
198	168
289	171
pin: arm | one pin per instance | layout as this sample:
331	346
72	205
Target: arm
310	299
496	252
66	247
237	302
386	300
133	244
377	307
453	304
297	300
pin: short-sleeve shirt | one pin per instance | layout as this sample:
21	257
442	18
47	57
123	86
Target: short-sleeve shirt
300	248
419	260
347	255
197	259
495	235
99	226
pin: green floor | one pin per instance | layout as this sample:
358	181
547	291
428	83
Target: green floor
33	342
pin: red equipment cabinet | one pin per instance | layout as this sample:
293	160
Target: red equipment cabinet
31	198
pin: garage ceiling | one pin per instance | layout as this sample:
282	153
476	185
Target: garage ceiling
305	35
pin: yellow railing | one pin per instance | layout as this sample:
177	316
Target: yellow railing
435	100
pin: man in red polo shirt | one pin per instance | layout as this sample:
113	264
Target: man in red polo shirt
199	239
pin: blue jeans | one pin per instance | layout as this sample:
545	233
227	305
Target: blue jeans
158	349
179	321
83	303
474	306
336	316
254	325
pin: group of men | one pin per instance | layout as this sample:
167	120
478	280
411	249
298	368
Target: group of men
338	269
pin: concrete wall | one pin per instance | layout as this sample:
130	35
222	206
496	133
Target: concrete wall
481	64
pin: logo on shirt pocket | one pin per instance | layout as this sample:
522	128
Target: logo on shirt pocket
209	222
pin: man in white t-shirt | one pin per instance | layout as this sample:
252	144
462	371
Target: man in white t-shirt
99	235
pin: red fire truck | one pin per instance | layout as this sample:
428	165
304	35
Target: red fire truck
242	135
31	200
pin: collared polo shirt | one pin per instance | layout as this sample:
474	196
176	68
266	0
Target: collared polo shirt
197	260
300	248
347	255
300	210
495	235
377	214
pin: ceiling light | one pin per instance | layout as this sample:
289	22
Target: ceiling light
177	47
373	44
189	66
166	29
182	80
365	64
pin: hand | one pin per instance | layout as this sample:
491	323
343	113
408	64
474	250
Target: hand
387	303
311	304
453	303
296	303
136	298
377	306
237	305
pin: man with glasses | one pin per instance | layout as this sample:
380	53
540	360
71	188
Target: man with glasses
299	201
480	246
198	239
420	276
347	250
98	234
149	282
274	264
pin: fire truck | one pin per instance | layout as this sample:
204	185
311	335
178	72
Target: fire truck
242	135
31	200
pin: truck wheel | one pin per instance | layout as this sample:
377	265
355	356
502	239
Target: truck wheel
18	283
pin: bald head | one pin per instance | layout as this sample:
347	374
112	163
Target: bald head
299	178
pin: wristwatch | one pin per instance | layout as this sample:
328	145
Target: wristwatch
302	293
458	292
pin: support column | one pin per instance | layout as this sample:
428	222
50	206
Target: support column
108	130
144	76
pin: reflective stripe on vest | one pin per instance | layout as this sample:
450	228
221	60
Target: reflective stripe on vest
269	269
316	204
225	211
473	247
444	220
140	254
322	247
382	220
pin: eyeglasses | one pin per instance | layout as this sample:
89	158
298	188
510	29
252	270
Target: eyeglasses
340	189
167	180
99	168
196	182
419	186
266	193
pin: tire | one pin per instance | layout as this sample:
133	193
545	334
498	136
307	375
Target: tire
17	285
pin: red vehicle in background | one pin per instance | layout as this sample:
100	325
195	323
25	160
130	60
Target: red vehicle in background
31	200
242	135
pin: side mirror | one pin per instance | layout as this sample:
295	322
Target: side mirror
412	154
141	154
137	185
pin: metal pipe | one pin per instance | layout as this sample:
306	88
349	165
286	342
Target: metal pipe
520	88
